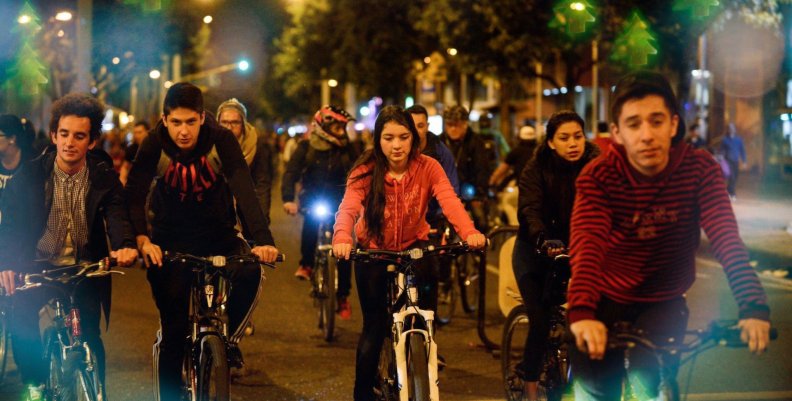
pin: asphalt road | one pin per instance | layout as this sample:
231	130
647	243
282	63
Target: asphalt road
288	359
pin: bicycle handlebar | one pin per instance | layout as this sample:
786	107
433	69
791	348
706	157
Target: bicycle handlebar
219	261
452	249
63	275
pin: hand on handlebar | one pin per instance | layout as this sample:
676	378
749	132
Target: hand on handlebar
7	281
476	241
290	208
266	253
553	247
151	253
591	337
756	333
125	256
342	251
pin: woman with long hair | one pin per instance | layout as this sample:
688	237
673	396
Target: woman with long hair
546	195
385	203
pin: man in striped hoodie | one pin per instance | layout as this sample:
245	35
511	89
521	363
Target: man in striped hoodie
635	230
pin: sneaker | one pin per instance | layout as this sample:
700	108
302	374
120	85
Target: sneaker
344	310
35	393
303	272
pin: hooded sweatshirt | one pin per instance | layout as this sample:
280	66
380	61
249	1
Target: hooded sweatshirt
406	202
634	238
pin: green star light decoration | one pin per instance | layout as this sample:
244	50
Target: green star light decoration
699	8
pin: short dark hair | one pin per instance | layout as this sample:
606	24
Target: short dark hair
80	105
559	118
602	126
456	113
183	94
418	109
144	123
640	84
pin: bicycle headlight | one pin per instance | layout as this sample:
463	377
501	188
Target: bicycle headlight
321	210
468	191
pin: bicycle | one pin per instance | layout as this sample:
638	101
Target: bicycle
718	333
408	359
205	368
5	337
73	367
554	376
324	277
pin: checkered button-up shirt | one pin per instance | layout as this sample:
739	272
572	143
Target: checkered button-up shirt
66	234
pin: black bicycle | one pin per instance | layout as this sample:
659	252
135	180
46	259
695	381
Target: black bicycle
624	337
554	375
324	278
205	369
408	359
73	367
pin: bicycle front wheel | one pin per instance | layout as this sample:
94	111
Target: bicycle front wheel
213	373
4	337
417	368
387	390
80	380
329	285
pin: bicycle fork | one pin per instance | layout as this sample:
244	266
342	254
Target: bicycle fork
400	349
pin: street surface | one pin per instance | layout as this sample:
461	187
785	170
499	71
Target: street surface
290	361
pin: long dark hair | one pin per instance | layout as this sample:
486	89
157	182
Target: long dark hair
375	198
559	118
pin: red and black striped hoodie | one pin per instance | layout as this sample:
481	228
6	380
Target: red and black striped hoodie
634	238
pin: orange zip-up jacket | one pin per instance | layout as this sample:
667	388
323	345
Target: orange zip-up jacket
405	206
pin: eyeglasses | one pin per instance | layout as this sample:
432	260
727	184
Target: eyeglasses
231	123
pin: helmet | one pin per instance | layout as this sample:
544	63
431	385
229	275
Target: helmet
329	115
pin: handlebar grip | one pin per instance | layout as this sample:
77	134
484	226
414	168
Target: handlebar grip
281	257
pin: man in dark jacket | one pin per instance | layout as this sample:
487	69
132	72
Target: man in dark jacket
63	207
199	166
321	165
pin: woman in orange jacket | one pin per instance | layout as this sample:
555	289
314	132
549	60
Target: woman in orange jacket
386	199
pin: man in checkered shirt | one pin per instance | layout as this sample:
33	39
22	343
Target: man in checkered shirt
65	207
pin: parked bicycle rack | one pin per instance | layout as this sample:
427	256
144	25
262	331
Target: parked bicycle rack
495	233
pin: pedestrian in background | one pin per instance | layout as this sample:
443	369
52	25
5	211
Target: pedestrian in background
733	150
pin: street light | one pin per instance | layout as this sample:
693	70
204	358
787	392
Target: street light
63	16
24	19
243	65
207	19
116	60
332	83
154	74
452	51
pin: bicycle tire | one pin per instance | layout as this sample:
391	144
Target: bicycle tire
467	272
386	373
446	296
417	368
4	339
511	353
54	386
213	373
330	284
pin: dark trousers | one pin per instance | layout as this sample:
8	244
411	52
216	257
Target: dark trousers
372	283
601	380
531	282
308	240
26	340
734	172
170	286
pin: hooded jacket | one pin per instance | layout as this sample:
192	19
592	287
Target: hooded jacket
190	200
406	203
634	238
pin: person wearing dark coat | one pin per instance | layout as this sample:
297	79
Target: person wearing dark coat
64	207
546	196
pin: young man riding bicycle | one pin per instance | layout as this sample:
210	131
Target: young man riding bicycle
635	231
63	207
198	166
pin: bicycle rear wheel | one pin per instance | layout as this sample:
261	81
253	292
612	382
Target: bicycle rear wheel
386	373
515	331
446	295
467	271
213	373
417	368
